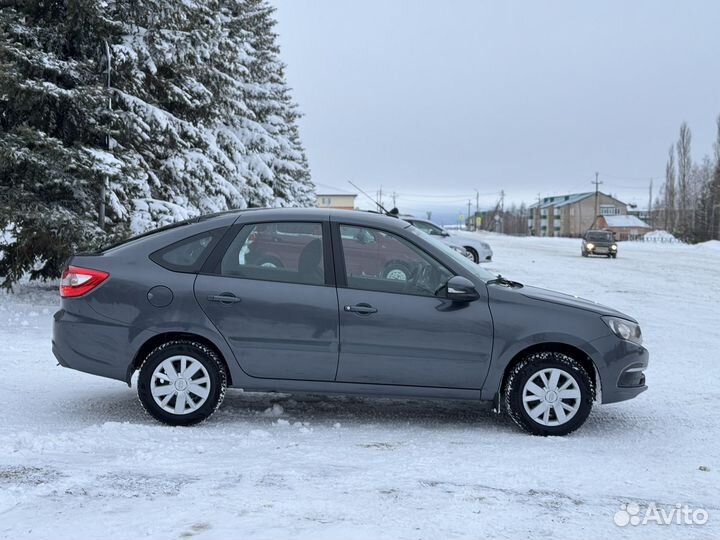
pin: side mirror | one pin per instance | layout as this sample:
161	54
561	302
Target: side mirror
460	289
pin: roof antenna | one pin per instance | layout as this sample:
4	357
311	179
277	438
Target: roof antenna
369	197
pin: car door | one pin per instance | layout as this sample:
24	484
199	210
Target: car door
271	294
405	331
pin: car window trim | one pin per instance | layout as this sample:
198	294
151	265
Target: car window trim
212	262
339	258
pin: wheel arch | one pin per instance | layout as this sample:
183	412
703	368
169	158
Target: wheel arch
474	251
158	339
577	354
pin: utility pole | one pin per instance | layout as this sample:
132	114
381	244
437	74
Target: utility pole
501	213
394	197
650	219
379	199
597	208
477	209
468	214
103	186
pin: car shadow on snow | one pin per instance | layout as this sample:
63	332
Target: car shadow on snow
260	409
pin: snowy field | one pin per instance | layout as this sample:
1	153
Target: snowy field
79	458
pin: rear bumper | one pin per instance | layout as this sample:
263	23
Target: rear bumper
621	368
90	345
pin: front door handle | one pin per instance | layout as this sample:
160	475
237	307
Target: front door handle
362	309
225	298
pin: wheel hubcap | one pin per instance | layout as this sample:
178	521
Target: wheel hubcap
397	274
551	397
180	384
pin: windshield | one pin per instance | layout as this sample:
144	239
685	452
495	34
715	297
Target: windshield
430	228
466	263
599	237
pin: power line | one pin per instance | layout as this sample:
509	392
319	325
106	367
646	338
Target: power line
634	178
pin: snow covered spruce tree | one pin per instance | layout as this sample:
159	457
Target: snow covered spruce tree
201	121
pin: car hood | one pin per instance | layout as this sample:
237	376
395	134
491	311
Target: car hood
570	300
468	240
603	243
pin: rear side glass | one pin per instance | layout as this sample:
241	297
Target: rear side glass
290	252
188	254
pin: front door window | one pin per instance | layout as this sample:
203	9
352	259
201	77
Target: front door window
380	261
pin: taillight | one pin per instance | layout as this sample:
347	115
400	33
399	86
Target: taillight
77	281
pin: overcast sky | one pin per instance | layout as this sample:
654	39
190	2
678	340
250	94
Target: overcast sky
434	100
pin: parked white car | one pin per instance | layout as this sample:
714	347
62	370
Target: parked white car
478	250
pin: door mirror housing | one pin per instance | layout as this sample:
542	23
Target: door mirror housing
461	289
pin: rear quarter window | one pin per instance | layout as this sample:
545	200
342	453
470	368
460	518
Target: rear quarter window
188	254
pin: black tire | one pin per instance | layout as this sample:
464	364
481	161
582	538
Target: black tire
210	362
474	253
530	367
614	255
394	269
583	253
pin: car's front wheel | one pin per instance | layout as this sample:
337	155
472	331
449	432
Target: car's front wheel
548	393
182	382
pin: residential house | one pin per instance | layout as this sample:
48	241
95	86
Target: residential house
624	227
571	215
335	198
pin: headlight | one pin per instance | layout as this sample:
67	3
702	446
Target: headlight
624	329
613	247
590	245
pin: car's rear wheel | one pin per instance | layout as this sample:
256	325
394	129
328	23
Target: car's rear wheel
270	262
181	382
474	253
548	393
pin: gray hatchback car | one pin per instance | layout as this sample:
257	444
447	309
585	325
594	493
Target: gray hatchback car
304	300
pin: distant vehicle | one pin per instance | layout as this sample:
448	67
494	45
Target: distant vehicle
599	243
478	250
305	300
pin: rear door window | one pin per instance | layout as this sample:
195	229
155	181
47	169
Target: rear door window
291	252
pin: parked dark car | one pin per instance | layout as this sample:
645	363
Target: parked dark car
599	243
301	300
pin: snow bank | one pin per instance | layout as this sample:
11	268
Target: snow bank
713	245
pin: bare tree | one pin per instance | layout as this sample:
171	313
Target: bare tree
714	190
669	189
684	171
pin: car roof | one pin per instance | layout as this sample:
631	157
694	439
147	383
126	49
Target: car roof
183	229
352	216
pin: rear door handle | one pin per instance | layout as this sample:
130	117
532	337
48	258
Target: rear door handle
225	298
362	309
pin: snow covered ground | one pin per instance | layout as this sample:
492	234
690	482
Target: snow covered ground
79	458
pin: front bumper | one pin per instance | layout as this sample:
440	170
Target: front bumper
621	367
600	250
